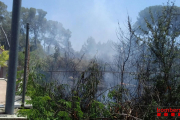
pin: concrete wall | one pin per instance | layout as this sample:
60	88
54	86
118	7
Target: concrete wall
3	85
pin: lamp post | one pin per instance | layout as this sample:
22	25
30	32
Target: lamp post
13	57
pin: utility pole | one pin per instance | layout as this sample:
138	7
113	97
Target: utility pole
25	65
13	57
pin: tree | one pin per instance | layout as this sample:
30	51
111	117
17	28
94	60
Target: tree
4	57
155	12
56	35
161	38
5	30
89	47
36	19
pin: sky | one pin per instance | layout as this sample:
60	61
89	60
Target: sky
91	18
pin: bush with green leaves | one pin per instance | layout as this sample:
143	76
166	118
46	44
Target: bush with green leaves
49	102
4	57
45	104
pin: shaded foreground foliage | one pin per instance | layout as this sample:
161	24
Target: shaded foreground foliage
49	102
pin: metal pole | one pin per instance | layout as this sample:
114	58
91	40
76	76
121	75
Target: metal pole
25	64
13	57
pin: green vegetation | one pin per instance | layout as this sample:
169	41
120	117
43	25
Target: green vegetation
4	57
155	71
63	85
49	101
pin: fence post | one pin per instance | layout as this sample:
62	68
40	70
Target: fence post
25	64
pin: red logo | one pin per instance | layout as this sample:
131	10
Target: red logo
168	111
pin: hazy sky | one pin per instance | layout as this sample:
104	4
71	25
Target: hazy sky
85	18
